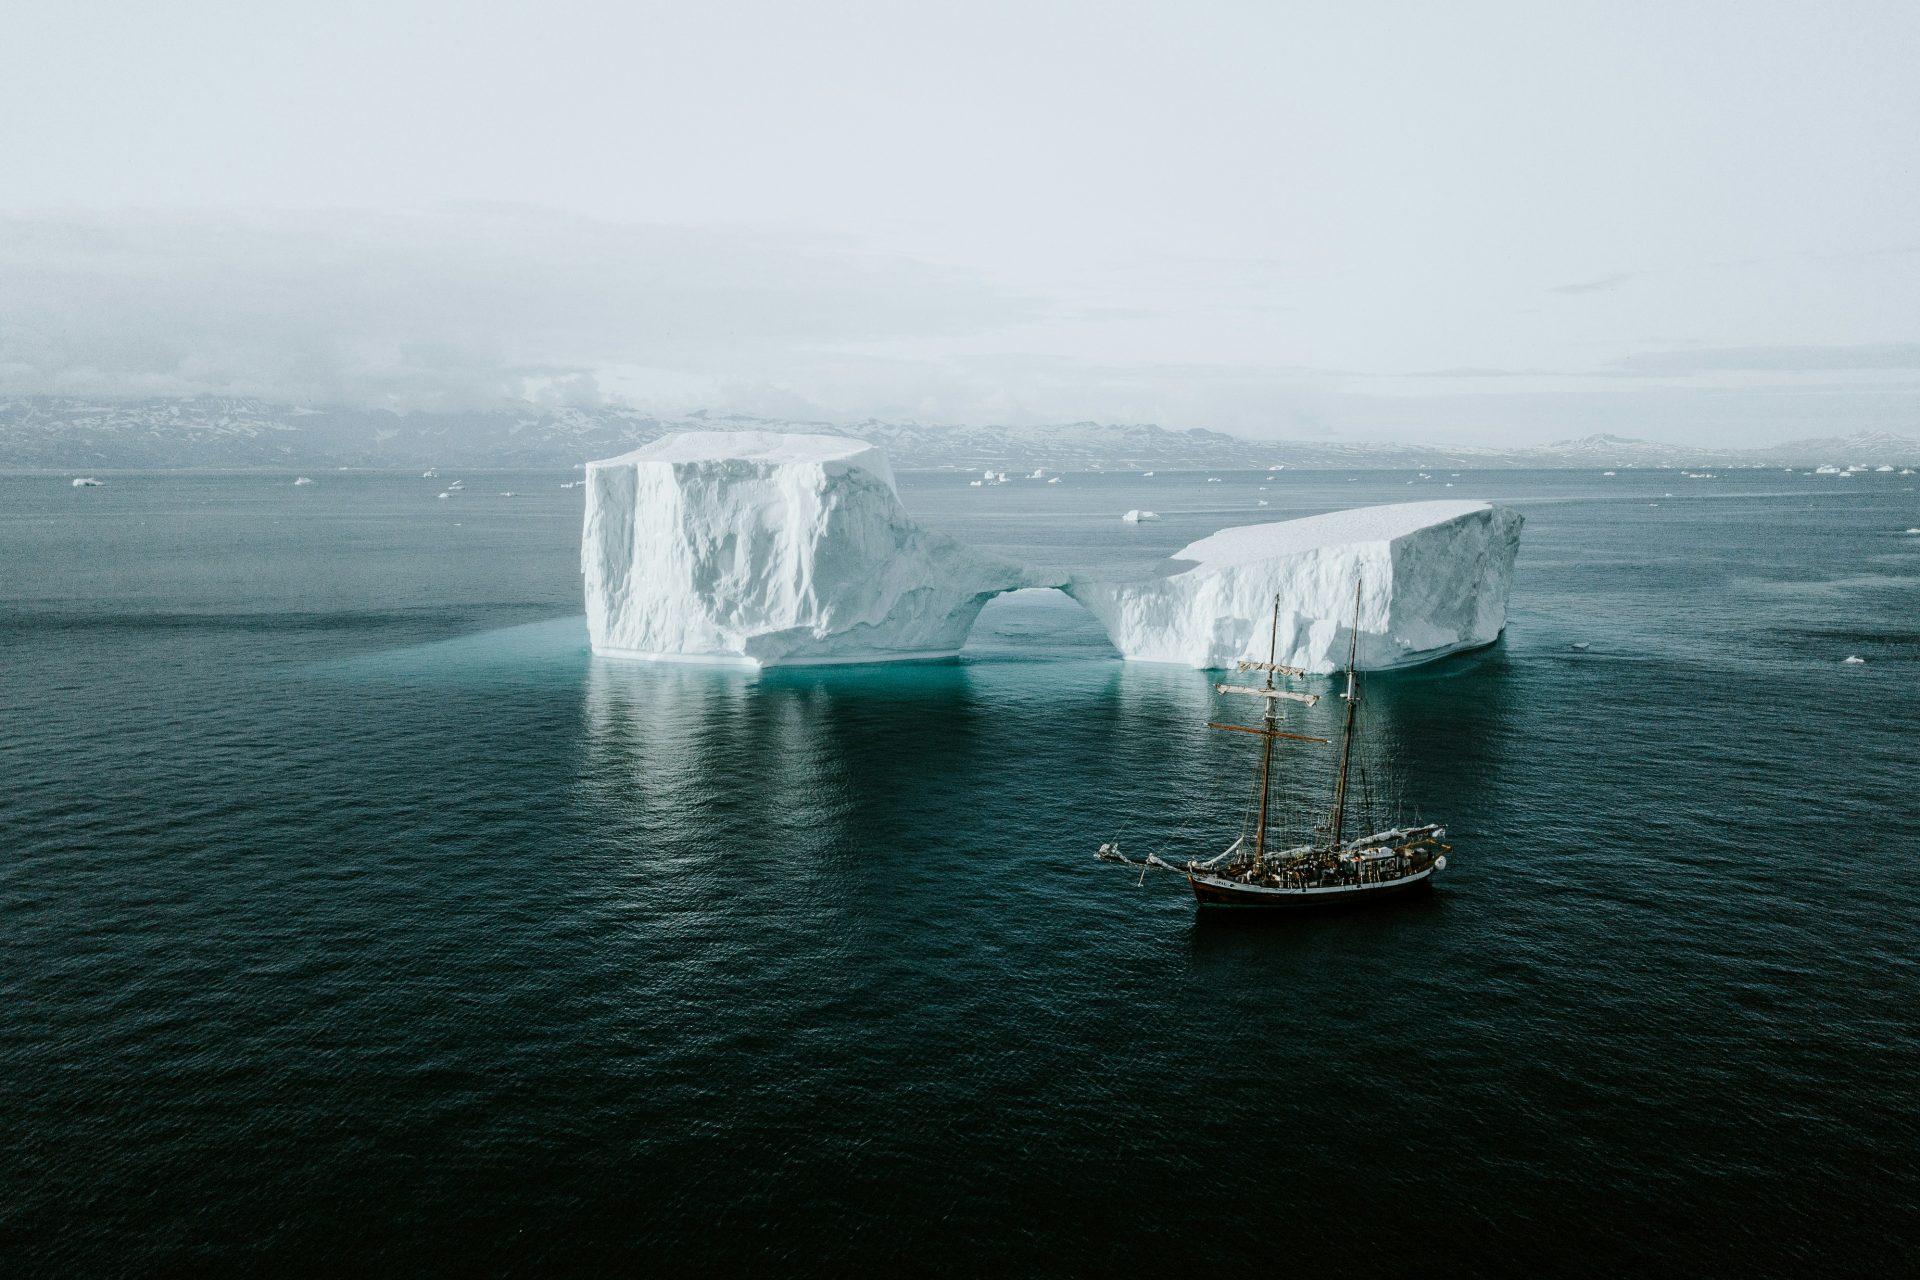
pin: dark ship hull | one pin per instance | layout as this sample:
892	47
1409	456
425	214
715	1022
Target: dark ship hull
1214	891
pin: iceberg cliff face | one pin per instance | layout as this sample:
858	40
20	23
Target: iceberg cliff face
1432	576
771	549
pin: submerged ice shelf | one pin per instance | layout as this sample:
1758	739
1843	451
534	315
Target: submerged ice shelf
1431	579
787	549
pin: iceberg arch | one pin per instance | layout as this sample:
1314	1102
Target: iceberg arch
772	549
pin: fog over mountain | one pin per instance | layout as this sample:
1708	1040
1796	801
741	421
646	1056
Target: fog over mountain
55	433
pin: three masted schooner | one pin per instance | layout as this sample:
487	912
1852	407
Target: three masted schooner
1332	869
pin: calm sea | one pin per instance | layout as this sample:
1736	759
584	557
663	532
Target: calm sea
354	918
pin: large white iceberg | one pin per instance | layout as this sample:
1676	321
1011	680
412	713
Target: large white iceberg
768	548
1432	579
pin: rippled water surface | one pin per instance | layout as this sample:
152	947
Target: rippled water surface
352	916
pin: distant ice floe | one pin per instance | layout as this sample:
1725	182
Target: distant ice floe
88	482
1136	516
1853	660
300	480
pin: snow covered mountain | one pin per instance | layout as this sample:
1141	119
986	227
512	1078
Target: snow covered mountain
63	433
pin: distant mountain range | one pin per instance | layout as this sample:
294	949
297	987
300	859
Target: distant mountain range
64	434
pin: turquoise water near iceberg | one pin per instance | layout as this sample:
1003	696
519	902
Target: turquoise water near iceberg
352	916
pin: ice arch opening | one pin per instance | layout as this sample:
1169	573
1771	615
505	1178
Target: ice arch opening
1043	621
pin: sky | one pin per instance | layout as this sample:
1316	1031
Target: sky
1475	223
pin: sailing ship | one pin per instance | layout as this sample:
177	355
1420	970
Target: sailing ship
1333	868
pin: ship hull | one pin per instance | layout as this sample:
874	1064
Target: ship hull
1210	891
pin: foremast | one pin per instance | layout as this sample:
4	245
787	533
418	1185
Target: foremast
1272	695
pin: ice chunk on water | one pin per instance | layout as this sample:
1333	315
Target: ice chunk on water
769	548
1432	576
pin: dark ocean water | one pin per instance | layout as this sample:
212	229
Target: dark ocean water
352	917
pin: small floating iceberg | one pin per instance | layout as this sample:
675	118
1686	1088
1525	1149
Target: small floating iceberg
88	482
430	473
1135	517
300	480
1580	646
1853	660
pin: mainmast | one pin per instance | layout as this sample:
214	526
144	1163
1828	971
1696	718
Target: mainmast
1266	742
1346	738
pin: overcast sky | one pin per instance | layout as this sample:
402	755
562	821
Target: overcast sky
1454	222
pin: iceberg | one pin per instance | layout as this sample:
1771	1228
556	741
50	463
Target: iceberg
1432	579
766	549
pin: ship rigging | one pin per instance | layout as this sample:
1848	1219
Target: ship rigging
1330	869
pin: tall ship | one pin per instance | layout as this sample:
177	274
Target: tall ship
1334	867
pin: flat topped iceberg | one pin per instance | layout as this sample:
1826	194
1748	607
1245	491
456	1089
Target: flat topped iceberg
769	548
1432	579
